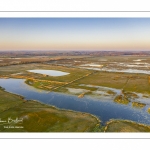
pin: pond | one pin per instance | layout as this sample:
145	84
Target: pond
119	70
104	109
49	72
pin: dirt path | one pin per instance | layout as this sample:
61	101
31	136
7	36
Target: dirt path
74	80
126	83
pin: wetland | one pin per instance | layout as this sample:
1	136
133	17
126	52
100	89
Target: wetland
74	88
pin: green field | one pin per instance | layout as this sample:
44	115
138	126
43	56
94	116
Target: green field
125	126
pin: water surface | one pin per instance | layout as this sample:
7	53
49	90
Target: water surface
49	72
104	109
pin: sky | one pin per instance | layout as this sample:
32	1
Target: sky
119	34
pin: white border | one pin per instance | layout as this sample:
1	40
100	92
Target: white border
74	14
74	5
59	135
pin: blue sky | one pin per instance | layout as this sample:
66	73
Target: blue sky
75	34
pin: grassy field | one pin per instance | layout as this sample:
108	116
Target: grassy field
121	99
39	117
128	82
138	105
107	79
125	126
138	83
8	101
44	84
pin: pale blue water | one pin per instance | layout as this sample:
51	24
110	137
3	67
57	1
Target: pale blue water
103	109
49	72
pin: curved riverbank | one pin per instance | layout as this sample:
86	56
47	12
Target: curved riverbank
39	117
32	111
104	110
115	125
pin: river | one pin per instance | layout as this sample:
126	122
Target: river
104	109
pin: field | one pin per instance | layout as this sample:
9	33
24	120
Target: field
125	126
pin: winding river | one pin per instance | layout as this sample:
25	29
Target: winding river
105	109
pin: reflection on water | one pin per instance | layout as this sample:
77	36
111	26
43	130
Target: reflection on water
134	97
104	109
49	72
119	70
